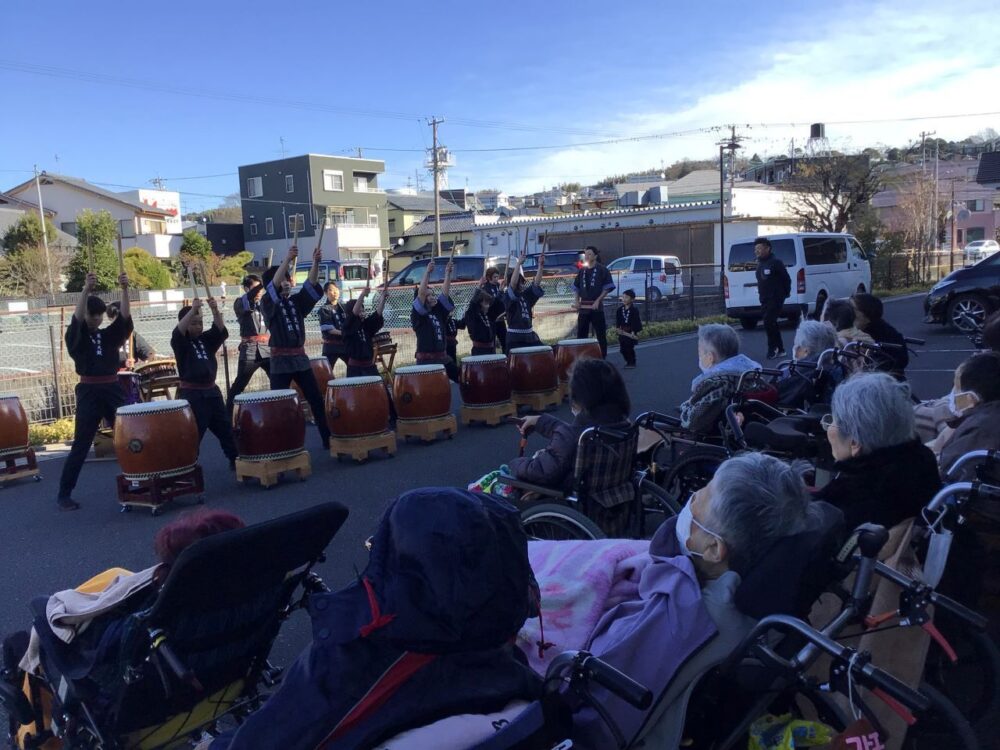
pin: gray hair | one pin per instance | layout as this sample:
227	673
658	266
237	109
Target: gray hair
874	410
815	336
756	500
721	339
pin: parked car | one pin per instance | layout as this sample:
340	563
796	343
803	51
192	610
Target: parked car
350	275
821	265
557	263
965	297
978	250
649	276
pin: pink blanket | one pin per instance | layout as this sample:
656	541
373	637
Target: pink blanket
579	582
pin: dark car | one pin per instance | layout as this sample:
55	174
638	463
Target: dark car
559	263
964	298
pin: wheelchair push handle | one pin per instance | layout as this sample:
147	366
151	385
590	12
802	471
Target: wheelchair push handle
879	680
650	418
969	616
989	456
618	683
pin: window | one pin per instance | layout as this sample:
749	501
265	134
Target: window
741	257
253	228
296	222
468	269
657	264
620	265
392	228
333	180
824	251
354	272
360	184
289	183
978	204
642	265
373	219
858	250
269	225
255	187
975	233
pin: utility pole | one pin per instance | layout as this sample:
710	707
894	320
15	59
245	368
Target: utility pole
157	182
951	266
45	232
360	153
281	140
434	122
731	145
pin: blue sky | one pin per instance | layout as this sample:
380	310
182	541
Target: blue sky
194	89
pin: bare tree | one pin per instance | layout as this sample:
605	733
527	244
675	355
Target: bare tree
826	192
918	215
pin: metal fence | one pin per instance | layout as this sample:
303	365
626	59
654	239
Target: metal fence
35	365
914	268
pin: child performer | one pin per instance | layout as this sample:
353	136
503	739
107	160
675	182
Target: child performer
520	302
628	323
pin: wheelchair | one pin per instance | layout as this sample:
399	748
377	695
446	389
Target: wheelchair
195	654
609	496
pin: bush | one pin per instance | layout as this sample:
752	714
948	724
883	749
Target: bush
670	327
59	431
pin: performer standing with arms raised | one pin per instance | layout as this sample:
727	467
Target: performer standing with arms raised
593	282
284	313
430	321
359	333
519	302
253	352
332	319
95	355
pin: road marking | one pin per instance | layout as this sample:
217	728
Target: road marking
21	369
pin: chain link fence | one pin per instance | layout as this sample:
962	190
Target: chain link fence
35	365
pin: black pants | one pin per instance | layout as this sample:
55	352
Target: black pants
307	383
519	340
627	346
245	371
501	330
210	413
93	403
593	318
771	310
478	351
332	358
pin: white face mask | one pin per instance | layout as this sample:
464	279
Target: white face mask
683	530
957	410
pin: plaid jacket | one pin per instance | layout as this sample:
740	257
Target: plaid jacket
604	468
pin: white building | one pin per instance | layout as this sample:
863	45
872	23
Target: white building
492	200
149	219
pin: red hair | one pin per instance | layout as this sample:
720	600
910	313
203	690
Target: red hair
175	537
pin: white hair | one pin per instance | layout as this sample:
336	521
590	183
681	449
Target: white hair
721	339
874	410
815	337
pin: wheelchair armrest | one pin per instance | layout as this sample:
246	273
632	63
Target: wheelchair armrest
529	487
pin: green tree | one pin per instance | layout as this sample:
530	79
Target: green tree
27	233
232	269
196	245
96	235
146	272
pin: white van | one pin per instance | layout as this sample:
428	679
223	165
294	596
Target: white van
821	265
652	276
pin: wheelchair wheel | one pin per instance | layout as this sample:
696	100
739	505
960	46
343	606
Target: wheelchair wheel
656	506
942	727
692	471
555	522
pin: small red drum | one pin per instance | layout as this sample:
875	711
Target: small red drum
485	380
323	374
533	369
570	350
129	382
156	439
421	392
357	406
269	425
13	426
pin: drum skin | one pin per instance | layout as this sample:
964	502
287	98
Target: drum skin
485	380
13	425
160	441
357	406
533	369
269	425
421	392
570	350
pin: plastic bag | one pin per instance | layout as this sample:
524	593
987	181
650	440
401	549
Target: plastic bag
771	732
489	484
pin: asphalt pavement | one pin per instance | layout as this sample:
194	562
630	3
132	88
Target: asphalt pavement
45	550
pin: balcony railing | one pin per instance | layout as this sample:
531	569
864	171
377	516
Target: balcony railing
367	189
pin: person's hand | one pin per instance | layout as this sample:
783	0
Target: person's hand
317	254
576	304
430	267
365	292
90	282
123	280
129	363
293	253
527	424
213	305
449	268
196	304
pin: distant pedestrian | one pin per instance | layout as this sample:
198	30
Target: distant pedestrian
774	285
592	285
629	324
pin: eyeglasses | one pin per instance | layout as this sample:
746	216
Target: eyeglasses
826	422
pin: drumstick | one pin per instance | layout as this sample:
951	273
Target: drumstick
90	256
295	233
121	256
322	228
204	278
194	288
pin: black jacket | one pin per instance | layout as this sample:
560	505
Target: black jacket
885	486
773	282
895	360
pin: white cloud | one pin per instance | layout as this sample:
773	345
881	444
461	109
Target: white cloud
869	62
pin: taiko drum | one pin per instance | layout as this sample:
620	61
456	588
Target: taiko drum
532	369
357	406
13	425
269	425
421	392
570	350
485	380
156	439
323	374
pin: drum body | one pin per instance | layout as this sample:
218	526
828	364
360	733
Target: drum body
570	350
485	380
13	425
421	392
533	369
129	382
269	425
322	373
356	407
156	439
